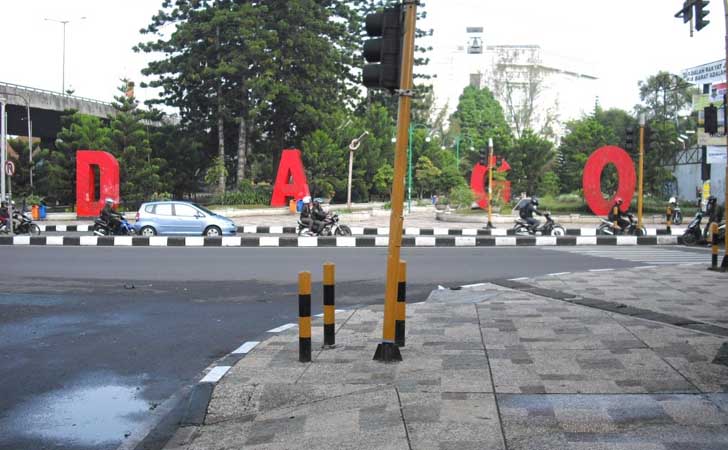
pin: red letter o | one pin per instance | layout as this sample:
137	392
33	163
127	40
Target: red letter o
593	176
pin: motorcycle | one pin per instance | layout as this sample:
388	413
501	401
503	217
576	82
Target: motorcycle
693	234
22	224
677	216
548	228
331	226
101	228
607	228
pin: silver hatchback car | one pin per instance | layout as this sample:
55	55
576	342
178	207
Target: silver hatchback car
181	218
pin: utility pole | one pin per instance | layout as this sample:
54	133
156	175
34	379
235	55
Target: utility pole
352	148
641	172
724	263
491	163
3	149
388	351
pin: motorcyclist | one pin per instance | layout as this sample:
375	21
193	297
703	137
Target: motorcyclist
110	215
671	204
318	215
305	218
714	213
527	211
623	219
4	216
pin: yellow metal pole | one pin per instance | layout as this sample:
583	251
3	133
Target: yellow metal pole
329	305
641	173
399	338
387	350
490	182
304	316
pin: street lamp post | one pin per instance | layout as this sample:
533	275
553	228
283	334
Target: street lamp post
63	63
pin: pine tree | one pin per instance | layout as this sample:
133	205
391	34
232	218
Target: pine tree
129	143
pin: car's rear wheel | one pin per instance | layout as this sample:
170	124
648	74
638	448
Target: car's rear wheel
148	231
213	231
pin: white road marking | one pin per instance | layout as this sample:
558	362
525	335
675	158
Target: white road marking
472	285
245	348
282	328
215	374
600	270
557	274
518	279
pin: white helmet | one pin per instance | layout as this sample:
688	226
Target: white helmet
673	200
109	200
307	199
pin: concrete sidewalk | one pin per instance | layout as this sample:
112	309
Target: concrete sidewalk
611	360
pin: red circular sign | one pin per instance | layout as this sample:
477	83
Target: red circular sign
592	179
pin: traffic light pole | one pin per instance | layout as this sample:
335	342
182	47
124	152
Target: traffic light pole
640	194
388	351
490	183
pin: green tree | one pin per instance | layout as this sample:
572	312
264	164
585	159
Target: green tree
56	166
326	170
383	179
583	137
549	184
129	142
183	159
531	157
426	176
480	116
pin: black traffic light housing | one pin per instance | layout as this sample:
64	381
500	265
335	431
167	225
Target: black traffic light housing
710	119
387	29
483	156
629	139
700	13
704	166
650	137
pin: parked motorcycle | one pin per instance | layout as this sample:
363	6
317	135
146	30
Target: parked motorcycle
607	228
693	234
22	224
548	228
101	228
677	216
331	226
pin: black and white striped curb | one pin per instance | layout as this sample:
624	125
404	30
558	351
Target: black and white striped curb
339	241
384	231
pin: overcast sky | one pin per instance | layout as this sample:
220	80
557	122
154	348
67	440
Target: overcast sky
620	41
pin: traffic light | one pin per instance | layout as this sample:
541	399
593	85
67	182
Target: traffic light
483	157
710	120
650	137
700	13
687	12
704	166
629	139
385	49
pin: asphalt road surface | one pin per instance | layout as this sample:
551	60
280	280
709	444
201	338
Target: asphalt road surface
96	344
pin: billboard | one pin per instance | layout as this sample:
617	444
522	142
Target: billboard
706	74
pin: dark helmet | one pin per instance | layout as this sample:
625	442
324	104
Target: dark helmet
712	200
618	201
534	200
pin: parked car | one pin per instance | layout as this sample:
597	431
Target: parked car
180	218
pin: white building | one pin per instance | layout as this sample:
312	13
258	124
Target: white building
563	91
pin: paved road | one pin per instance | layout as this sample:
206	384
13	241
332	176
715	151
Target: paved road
94	340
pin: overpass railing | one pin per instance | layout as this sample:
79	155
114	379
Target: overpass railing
44	91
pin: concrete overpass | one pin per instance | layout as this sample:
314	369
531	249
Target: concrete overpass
45	109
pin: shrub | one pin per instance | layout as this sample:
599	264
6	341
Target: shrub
461	196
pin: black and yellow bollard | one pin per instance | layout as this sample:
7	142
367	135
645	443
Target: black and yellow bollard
401	311
329	305
304	316
668	216
714	248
